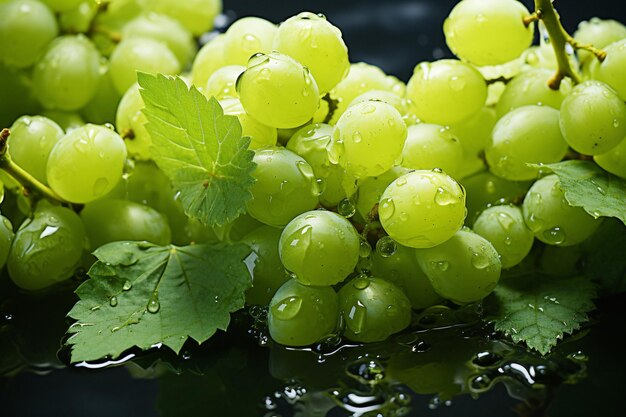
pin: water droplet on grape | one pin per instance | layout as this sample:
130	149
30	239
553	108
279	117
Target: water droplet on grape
356	317
364	248
505	220
386	208
444	197
386	246
287	308
368	108
442	265
356	137
361	283
480	260
346	208
554	236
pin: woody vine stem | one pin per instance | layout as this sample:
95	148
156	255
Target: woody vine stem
559	38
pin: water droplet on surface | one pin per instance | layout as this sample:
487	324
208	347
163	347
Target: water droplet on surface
442	265
554	236
287	308
368	108
444	197
364	248
355	318
505	220
48	231
361	283
346	208
127	286
113	301
386	246
153	305
386	208
480	260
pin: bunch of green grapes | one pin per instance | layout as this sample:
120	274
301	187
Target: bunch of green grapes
348	158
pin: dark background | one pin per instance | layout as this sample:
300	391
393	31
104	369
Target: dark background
394	35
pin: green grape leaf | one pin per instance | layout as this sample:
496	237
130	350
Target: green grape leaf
588	186
199	148
140	294
539	310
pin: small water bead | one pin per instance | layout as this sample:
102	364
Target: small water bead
554	236
366	371
480	260
346	208
443	197
486	359
113	301
355	319
153	305
127	285
386	208
386	246
442	265
287	308
361	283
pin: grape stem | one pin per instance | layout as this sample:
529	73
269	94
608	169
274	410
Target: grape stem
23	177
559	38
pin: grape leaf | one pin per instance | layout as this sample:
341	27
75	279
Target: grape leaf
588	186
199	148
140	294
539	310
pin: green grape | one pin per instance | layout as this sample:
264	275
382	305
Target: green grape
311	143
247	37
300	315
101	108
131	124
112	220
422	209
78	19
278	91
86	163
599	33
373	309
475	133
285	187
260	135
361	78
446	91
611	70
402	269
146	184
47	248
368	139
320	247
16	84
593	118
463	269
268	273
531	87
6	238
163	29
316	43
488	32
526	135
67	76
485	189
221	84
208	59
61	5
614	161
66	120
30	143
552	219
372	188
26	29
504	227
431	146
112	20
388	97
195	15
140	54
